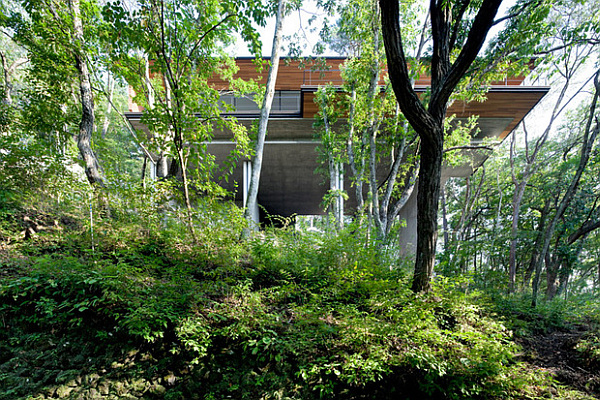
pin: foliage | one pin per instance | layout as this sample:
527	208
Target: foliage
359	124
120	294
479	221
169	51
109	292
545	318
292	314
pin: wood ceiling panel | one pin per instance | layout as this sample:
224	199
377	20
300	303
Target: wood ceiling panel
500	103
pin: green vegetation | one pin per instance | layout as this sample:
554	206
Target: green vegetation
288	314
133	283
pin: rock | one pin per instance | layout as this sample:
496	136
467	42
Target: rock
139	386
170	379
132	353
91	379
51	391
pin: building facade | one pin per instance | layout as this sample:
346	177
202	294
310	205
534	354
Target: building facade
289	184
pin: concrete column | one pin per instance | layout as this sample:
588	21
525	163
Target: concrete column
152	172
408	233
162	167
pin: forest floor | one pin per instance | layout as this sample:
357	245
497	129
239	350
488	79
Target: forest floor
555	353
287	315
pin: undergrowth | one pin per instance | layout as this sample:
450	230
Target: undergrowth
287	315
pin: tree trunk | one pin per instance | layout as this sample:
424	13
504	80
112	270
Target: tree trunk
106	123
598	277
427	210
410	184
86	126
429	122
335	171
336	188
512	261
494	259
9	70
7	98
445	220
264	120
535	253
357	171
186	194
552	264
589	137
535	285
564	272
372	131
143	174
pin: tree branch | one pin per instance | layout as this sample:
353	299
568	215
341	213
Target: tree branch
463	7
583	230
409	102
516	13
477	34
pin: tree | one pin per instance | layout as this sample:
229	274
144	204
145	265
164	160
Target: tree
589	135
330	151
10	66
185	41
375	133
13	59
86	126
449	37
566	53
265	110
56	30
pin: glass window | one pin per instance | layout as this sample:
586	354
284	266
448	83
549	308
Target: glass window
245	105
284	102
288	101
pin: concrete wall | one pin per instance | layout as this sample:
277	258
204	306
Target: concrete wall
408	233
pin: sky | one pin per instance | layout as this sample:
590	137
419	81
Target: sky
296	22
299	22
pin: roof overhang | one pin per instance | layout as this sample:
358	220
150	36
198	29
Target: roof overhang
289	184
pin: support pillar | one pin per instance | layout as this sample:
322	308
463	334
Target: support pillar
408	233
153	167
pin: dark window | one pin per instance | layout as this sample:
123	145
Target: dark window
284	102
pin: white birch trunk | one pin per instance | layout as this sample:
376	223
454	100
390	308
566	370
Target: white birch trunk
264	120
